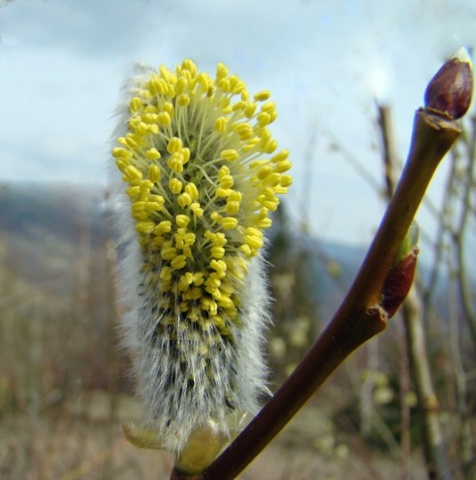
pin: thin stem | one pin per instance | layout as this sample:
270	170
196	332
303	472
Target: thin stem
390	160
433	443
389	149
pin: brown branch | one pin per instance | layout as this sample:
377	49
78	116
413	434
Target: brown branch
359	318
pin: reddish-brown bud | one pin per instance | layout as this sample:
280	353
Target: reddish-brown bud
450	91
398	282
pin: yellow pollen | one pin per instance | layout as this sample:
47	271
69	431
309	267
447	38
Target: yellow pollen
250	109
163	227
163	119
224	84
152	154
231	155
261	96
234	196
182	220
183	100
220	124
135	104
175	185
169	108
154	173
229	223
232	208
197	211
222	71
184	200
282	155
264	119
133	173
202	176
282	166
226	182
222	192
145	227
168	252
218	252
286	180
178	262
119	152
192	190
174	145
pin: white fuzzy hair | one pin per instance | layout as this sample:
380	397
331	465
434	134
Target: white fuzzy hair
235	375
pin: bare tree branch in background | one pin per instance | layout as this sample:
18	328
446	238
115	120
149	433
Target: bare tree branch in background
434	447
390	160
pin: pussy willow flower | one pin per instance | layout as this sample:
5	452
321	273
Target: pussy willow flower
202	174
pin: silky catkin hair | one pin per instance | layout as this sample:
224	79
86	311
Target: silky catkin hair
197	177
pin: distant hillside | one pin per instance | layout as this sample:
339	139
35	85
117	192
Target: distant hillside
35	208
44	226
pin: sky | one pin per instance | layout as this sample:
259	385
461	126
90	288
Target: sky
63	62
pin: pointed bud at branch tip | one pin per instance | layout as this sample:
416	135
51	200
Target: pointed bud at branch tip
450	91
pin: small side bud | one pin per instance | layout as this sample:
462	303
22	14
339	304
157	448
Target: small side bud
142	437
400	277
450	91
202	447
